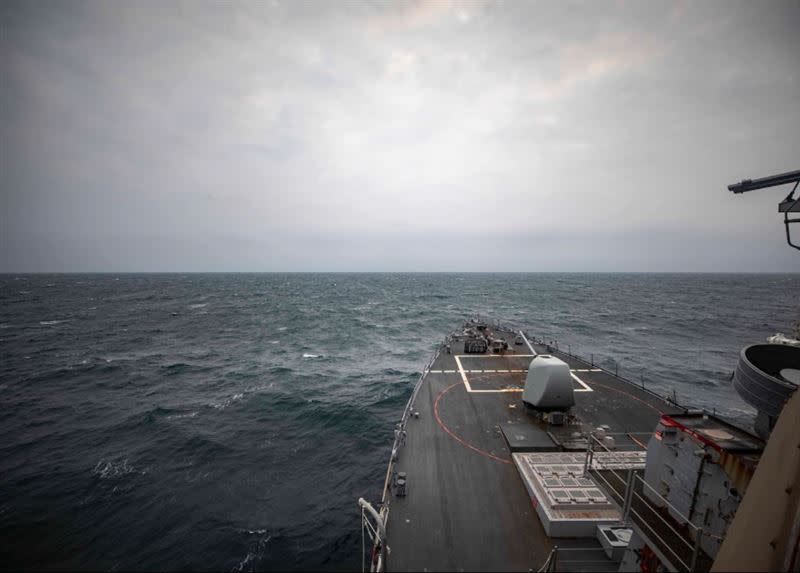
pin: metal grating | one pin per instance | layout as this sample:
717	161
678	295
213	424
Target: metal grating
619	460
563	482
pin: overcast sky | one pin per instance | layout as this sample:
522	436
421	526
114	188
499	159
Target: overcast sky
421	136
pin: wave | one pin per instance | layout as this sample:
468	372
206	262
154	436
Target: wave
181	416
280	370
227	402
177	368
254	553
114	468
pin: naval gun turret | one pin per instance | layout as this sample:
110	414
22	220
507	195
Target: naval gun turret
548	387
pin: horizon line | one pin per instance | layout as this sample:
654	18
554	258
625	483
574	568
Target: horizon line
286	272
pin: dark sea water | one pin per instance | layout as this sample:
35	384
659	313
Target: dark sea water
231	421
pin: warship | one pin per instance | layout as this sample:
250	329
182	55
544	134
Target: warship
513	454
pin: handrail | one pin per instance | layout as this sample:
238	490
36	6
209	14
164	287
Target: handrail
593	364
672	507
380	534
381	517
665	545
627	507
400	427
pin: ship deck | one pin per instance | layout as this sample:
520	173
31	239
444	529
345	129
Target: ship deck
466	507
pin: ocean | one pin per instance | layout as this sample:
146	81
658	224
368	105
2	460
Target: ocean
231	421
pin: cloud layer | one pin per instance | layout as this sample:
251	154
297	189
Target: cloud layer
409	136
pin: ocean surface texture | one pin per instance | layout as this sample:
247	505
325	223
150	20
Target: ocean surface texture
231	421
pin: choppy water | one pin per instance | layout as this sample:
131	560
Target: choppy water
231	421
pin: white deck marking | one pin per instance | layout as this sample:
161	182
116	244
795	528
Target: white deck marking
482	356
584	387
528	343
463	376
475	371
581	382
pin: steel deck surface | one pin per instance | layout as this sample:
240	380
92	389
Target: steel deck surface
466	507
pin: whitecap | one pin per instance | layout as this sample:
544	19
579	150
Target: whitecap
50	322
282	328
225	403
179	416
306	355
254	553
274	341
202	305
106	469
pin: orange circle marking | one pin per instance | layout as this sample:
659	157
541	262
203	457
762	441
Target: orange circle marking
453	435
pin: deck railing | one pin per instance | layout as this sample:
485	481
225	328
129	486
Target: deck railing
400	427
553	346
377	532
628	496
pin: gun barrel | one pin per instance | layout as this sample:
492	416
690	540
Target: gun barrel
771	181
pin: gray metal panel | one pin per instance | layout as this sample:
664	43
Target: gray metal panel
527	438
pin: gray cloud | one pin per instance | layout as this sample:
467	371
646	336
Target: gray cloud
409	136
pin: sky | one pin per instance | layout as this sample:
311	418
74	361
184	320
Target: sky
409	136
